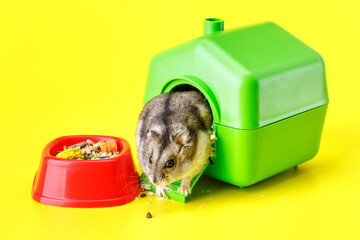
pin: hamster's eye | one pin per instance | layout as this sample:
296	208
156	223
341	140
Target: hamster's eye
169	164
150	159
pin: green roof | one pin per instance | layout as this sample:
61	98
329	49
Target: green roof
251	76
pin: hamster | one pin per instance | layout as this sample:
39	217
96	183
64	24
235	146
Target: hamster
173	139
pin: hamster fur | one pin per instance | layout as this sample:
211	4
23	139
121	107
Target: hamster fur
173	138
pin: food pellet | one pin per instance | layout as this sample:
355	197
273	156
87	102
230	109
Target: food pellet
143	195
80	145
71	153
109	146
88	150
148	215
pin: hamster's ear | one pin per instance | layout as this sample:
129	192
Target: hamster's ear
154	132
182	137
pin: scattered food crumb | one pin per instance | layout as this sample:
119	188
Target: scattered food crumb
286	201
143	195
161	198
151	193
136	198
148	202
148	215
262	195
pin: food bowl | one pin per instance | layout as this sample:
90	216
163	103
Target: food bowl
85	183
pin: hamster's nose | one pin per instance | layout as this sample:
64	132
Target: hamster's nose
154	180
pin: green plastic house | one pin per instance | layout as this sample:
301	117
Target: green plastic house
267	91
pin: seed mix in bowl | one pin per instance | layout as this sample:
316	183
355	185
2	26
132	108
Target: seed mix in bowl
88	150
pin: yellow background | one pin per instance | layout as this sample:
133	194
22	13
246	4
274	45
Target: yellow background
79	67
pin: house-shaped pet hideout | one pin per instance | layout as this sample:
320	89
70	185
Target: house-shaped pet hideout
267	92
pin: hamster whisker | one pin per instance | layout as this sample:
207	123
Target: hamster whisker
130	183
145	181
128	176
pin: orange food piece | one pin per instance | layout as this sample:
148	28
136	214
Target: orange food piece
109	146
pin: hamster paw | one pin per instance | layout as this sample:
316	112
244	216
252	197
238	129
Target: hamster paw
185	188
160	191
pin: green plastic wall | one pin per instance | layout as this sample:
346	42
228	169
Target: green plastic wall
244	157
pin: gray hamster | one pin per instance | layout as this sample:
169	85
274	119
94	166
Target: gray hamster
173	139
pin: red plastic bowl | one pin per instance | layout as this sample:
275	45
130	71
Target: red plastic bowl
85	183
